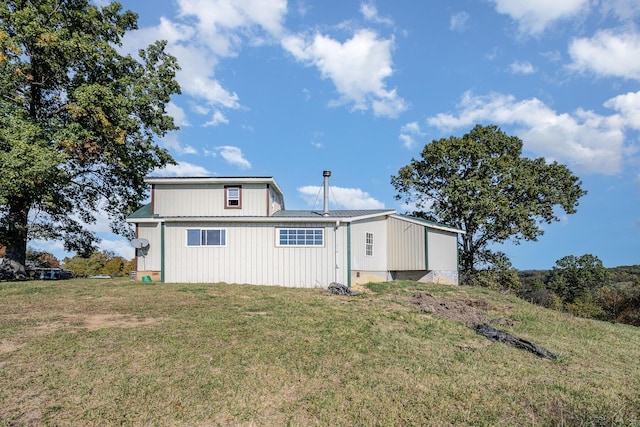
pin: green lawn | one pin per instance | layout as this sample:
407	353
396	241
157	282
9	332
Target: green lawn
116	352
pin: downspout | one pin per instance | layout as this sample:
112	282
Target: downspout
349	255
136	253
335	247
162	252
426	248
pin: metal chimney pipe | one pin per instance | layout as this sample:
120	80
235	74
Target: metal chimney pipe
326	175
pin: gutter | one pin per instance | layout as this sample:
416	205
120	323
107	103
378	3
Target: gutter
258	219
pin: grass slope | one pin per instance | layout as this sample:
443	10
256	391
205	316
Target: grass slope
88	352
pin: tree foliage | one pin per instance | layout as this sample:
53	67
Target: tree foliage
481	184
77	120
104	262
573	277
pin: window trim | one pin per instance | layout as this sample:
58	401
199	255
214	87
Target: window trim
228	199
296	230
223	237
368	244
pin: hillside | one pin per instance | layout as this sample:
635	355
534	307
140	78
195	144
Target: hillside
97	352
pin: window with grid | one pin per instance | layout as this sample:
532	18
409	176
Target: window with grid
233	197
300	237
368	246
206	237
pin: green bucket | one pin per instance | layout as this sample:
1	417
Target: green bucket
146	278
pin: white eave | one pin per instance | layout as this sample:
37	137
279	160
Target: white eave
428	224
260	219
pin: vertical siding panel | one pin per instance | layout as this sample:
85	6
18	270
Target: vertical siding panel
406	246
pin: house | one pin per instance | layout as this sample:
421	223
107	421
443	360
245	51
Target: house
237	230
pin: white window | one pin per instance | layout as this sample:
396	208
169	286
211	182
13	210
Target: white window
368	246
233	197
206	237
300	237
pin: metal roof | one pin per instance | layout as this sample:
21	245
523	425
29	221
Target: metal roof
143	212
332	213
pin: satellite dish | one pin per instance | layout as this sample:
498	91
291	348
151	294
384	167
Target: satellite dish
140	243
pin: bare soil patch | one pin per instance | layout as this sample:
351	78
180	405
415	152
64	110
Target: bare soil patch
466	311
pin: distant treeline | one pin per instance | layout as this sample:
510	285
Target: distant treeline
586	289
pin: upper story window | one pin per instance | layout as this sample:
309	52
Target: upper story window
368	246
206	237
233	197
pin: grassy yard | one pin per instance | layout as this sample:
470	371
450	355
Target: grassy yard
109	352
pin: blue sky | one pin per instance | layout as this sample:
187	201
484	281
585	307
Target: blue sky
291	88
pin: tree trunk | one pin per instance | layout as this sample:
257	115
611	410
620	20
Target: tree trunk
15	238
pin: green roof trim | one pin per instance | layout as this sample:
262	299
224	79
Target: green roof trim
143	212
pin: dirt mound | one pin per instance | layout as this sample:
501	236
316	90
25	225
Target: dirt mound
466	311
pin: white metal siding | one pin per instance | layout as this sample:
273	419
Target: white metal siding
175	200
151	232
359	260
251	256
443	249
406	246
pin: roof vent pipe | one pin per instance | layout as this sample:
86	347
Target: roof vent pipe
326	175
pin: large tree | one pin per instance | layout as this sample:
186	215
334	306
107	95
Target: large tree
481	184
77	120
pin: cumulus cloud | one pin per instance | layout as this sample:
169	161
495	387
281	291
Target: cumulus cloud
120	246
178	114
524	67
607	53
370	13
208	31
458	21
625	10
216	119
533	17
181	169
409	133
233	156
357	67
341	198
591	142
172	143
628	105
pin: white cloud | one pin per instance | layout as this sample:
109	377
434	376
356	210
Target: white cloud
525	67
181	169
120	246
172	143
100	3
628	105
534	17
408	134
625	10
210	30
221	23
357	68
458	21
607	53
216	119
234	156
370	13
588	141
341	198
178	114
